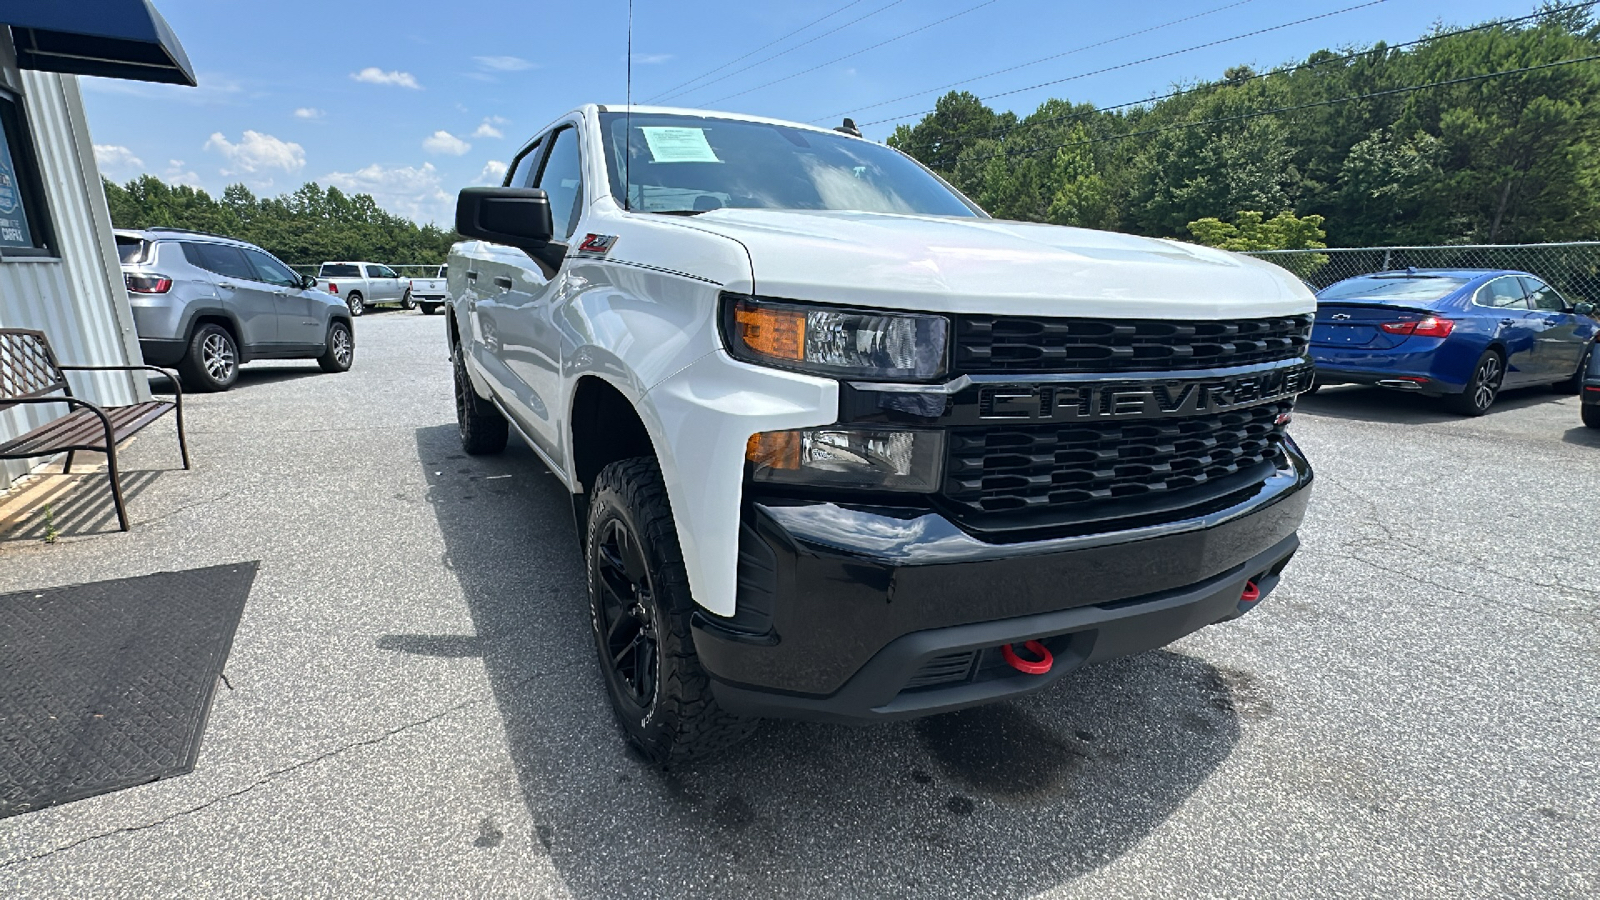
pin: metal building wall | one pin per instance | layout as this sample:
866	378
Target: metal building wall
78	300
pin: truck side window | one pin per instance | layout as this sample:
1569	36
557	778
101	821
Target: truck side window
562	181
522	168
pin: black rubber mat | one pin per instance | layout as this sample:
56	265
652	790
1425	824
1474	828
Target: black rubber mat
107	685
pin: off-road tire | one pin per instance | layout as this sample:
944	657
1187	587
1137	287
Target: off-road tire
429	309
203	367
483	429
1591	415
356	302
1575	384
407	303
682	720
1477	397
340	354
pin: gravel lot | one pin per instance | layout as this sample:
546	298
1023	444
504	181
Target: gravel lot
414	710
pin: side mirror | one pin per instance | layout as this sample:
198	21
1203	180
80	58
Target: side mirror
517	217
1584	309
307	282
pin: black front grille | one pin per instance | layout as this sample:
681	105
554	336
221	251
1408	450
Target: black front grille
990	345
1028	468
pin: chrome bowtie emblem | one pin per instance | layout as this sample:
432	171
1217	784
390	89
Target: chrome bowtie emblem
1339	317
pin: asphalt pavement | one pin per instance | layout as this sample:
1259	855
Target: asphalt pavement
412	707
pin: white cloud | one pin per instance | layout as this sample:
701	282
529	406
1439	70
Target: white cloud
178	172
375	75
445	143
308	112
116	158
504	63
494	172
257	151
490	129
407	191
650	59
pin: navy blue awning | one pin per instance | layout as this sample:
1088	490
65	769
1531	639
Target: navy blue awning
109	38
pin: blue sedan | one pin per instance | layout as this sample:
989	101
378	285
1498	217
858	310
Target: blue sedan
1460	334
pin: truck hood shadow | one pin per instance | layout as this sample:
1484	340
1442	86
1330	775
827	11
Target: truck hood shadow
1015	798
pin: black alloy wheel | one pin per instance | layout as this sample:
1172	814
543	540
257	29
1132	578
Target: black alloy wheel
483	429
628	632
1482	388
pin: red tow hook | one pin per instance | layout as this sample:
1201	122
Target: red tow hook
1028	666
1251	593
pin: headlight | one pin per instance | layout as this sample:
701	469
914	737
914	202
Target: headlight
849	343
871	458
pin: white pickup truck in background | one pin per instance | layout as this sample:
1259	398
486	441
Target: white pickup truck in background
429	293
364	284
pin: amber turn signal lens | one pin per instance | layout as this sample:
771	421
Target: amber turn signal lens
778	333
774	449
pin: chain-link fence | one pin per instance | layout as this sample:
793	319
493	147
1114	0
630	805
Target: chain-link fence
1573	269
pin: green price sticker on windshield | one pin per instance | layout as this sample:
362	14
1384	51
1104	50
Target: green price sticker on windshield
675	145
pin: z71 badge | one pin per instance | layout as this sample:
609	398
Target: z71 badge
597	244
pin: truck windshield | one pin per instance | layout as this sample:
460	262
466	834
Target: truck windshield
692	164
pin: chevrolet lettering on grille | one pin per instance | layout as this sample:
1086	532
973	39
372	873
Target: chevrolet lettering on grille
1132	400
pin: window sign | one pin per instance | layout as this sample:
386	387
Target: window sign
14	230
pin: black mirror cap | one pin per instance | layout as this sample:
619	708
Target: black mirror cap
1584	308
307	282
517	217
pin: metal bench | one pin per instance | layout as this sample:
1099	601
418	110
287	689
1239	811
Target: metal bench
31	375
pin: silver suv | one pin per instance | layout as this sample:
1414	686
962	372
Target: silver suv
208	303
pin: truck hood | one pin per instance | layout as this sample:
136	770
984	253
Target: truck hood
942	264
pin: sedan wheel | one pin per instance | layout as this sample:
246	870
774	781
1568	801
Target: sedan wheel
1483	387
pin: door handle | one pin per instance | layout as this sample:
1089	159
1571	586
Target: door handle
472	275
224	284
502	281
1508	321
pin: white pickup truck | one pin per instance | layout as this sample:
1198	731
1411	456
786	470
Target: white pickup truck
429	293
364	284
841	446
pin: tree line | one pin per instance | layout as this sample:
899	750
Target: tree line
1497	159
310	225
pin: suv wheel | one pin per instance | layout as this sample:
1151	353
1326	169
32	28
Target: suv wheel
639	609
406	302
212	361
483	429
1482	387
341	349
356	304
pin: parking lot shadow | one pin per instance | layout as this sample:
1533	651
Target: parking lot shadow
1014	798
1373	404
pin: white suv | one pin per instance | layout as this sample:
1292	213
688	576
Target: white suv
841	446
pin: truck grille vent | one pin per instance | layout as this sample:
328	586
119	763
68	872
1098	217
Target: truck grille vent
992	345
943	670
1013	468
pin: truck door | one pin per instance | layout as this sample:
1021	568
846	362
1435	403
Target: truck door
251	302
384	285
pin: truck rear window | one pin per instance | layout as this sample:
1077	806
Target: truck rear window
337	271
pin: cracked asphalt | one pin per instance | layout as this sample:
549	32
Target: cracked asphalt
412	709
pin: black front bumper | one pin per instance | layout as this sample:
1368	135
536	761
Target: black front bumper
859	613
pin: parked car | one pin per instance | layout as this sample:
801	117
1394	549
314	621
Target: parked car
841	446
364	284
430	292
1591	392
206	304
1459	334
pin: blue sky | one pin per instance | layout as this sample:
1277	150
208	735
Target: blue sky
411	100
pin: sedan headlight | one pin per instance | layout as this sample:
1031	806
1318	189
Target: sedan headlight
880	346
870	458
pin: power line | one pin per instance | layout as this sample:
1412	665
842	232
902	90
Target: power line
774	56
1288	109
1136	62
1068	117
858	52
1131	34
761	48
